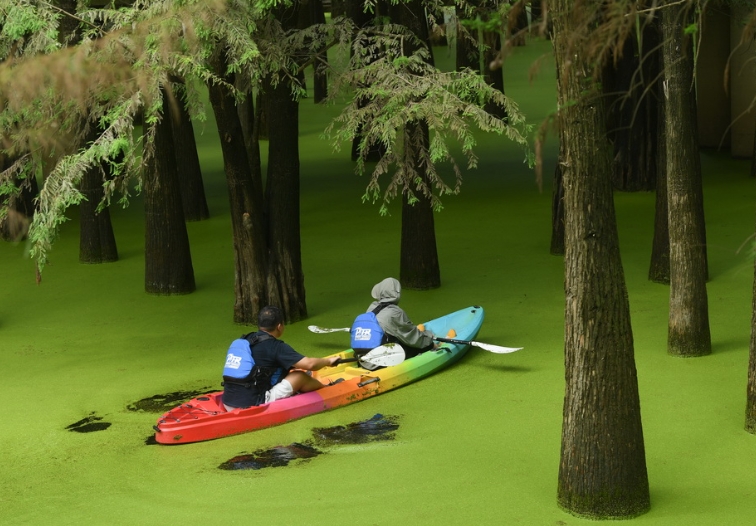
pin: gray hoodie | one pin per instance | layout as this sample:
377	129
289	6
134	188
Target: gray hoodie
393	319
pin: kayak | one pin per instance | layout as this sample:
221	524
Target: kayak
205	418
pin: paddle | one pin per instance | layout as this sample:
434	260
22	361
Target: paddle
485	346
321	330
383	356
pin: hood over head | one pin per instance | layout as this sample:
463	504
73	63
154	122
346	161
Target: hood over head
387	291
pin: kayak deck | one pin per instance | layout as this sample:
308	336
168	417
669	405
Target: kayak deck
205	418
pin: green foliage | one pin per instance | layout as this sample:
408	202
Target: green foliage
394	90
115	72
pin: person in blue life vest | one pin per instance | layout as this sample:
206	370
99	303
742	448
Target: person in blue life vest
272	377
395	322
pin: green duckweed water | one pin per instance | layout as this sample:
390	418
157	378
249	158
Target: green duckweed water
478	442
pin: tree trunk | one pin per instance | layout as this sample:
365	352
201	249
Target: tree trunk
97	242
750	416
356	13
167	258
630	86
688	303
320	77
557	208
419	268
659	268
285	275
602	472
469	56
245	202
187	161
15	226
418	260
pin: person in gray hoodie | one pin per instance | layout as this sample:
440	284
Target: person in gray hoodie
394	321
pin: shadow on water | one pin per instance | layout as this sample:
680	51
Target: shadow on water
89	424
377	428
160	403
271	458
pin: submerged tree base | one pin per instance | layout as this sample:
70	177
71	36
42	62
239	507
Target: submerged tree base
600	508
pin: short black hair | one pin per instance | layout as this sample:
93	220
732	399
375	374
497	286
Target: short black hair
269	317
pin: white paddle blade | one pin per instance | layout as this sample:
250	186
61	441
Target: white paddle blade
323	330
385	355
495	348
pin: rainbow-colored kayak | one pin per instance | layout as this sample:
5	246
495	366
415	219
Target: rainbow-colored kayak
204	418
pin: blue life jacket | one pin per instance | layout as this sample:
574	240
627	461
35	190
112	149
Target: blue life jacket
240	364
366	332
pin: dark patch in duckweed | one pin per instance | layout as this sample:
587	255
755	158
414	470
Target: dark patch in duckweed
89	424
271	458
160	403
379	427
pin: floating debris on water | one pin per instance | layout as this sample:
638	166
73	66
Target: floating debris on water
160	403
89	424
271	458
379	427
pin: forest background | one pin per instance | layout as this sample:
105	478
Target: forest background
103	344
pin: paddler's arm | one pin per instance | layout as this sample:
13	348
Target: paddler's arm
407	332
314	364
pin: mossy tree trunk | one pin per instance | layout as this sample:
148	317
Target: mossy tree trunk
187	161
167	258
750	416
285	273
688	333
245	201
602	471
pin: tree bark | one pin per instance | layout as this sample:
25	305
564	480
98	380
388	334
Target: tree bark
750	416
602	472
168	260
187	160
97	242
285	274
557	207
659	268
688	333
419	268
245	202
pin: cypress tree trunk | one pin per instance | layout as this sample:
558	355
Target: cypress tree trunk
285	275
630	87
602	471
356	13
15	226
557	208
469	56
659	268
688	303
245	202
97	242
187	161
419	268
320	77
750	413
167	258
